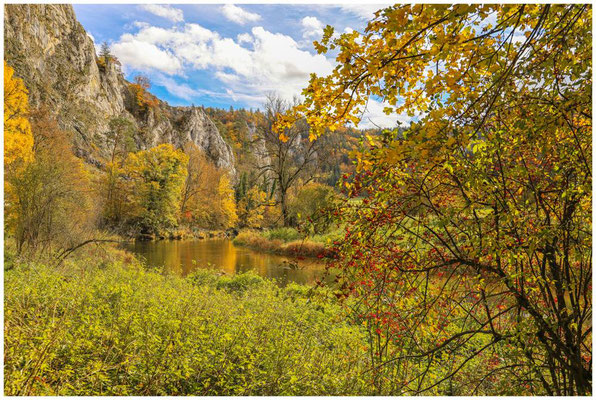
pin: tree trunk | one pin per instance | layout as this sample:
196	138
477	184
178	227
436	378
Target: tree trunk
284	208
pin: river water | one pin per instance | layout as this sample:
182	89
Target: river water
184	256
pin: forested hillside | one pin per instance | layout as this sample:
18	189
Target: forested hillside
224	168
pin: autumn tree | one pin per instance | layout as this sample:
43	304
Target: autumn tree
139	89
207	197
291	154
49	207
226	206
309	203
156	179
18	139
119	141
252	208
199	175
467	246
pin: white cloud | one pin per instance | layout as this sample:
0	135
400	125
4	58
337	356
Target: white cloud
140	55
139	24
244	38
375	117
165	11
268	62
312	27
239	15
181	91
256	100
279	65
363	11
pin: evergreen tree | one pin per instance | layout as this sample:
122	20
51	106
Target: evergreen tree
105	52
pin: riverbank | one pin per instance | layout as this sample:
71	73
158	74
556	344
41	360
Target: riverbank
101	324
283	241
185	233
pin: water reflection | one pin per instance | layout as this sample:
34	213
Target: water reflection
220	254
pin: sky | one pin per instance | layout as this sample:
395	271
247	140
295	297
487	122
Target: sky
225	55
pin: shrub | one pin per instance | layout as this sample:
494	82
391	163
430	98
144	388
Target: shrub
121	330
240	283
255	240
294	290
329	237
203	277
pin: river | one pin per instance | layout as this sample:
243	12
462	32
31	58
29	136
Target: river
184	256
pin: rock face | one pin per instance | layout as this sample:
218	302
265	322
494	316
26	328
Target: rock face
52	53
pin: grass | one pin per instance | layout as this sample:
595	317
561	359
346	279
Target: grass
284	241
284	234
99	326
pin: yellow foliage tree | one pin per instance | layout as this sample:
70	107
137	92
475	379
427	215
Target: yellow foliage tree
208	197
252	207
48	207
488	192
156	178
227	205
18	139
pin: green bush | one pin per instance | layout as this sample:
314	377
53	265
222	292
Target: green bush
122	330
294	290
307	206
9	259
283	234
203	277
329	237
240	283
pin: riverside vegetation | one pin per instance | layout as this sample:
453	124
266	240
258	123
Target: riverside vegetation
458	247
286	241
100	326
104	324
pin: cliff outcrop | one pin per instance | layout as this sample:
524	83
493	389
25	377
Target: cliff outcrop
54	55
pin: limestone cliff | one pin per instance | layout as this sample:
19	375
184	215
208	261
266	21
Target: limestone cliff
51	51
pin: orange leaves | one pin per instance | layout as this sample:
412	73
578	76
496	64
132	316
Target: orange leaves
139	90
208	193
47	199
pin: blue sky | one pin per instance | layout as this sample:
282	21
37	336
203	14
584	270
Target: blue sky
223	55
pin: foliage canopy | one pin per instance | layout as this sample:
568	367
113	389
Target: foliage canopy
487	194
18	139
